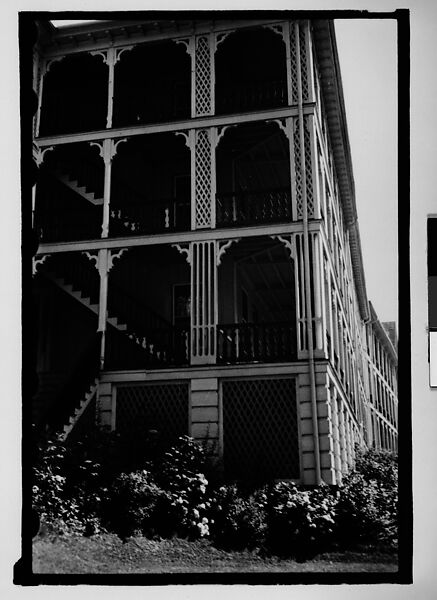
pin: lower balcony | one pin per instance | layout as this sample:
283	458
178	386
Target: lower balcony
256	343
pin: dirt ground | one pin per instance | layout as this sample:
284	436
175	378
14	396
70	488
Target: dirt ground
108	554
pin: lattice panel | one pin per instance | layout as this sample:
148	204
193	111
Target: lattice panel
203	178
308	167
203	77
303	62
293	64
161	407
297	169
302	321
260	432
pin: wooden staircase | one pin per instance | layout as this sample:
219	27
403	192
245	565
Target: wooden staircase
81	408
74	185
150	333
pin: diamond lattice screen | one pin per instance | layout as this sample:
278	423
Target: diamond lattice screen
260	433
203	77
308	168
203	179
293	61
164	408
303	63
297	167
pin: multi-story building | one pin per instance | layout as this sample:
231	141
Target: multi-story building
381	384
199	269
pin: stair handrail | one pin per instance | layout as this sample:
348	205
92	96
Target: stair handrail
165	325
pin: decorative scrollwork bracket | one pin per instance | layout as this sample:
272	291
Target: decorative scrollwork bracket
288	242
222	246
37	262
184	248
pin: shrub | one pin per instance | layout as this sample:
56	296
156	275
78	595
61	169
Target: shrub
67	488
49	481
237	522
183	460
131	503
368	501
50	497
183	510
300	522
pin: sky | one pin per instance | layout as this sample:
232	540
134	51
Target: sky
368	63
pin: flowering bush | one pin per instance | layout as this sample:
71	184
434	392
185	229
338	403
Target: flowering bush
184	509
185	459
368	501
236	521
131	503
50	497
299	521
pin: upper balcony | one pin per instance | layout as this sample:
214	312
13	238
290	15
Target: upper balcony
253	176
150	190
163	81
151	83
250	72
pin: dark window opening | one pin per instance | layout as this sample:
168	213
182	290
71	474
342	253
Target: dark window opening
75	96
152	85
250	72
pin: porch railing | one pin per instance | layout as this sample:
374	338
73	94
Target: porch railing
256	342
251	207
241	97
162	216
153	349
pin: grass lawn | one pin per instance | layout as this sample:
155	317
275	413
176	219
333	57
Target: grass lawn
107	553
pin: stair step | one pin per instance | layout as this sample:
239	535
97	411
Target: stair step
79	189
79	410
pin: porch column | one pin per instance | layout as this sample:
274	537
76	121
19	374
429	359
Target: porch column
43	68
203	144
317	287
110	57
107	150
104	261
336	434
204	300
203	76
342	435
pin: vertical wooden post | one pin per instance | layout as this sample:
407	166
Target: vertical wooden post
306	242
317	280
204	302
42	70
111	60
286	37
336	434
103	262
107	157
107	151
331	320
